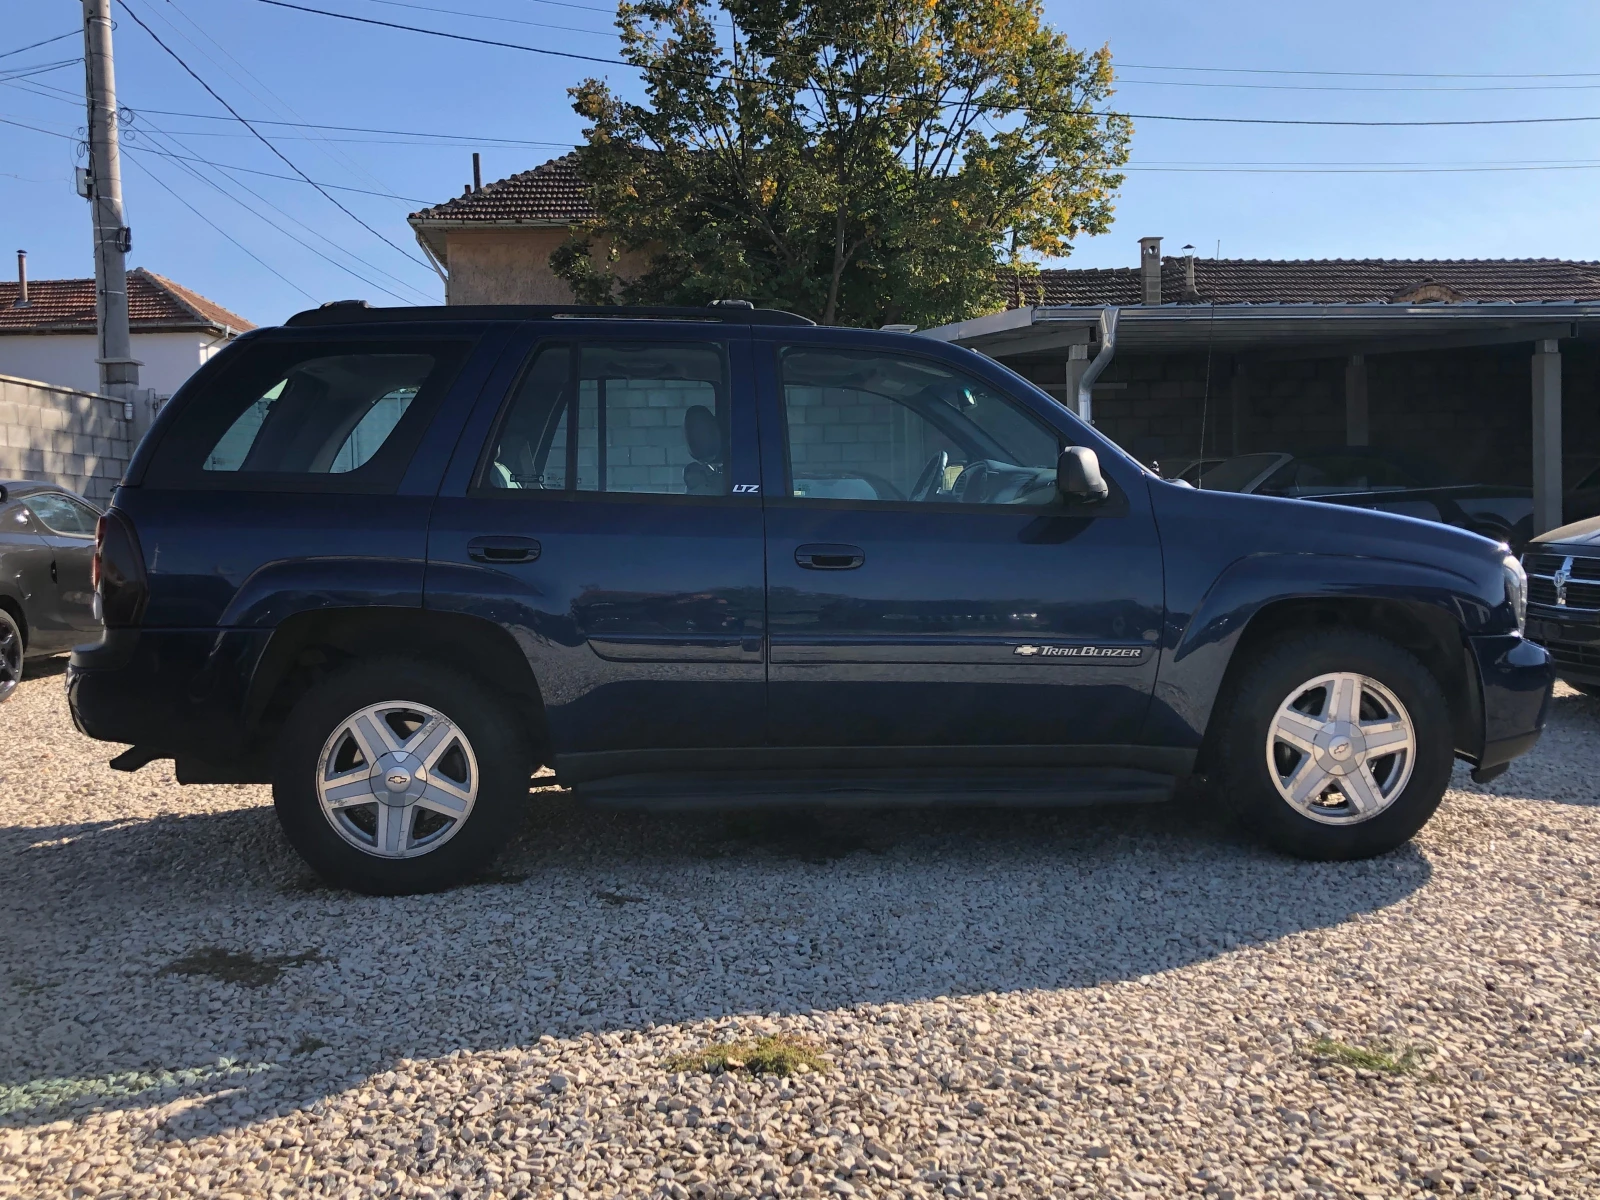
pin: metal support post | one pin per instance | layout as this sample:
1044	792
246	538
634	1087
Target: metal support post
1546	435
1356	425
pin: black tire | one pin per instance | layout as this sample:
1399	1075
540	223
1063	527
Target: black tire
11	655
495	739
1280	669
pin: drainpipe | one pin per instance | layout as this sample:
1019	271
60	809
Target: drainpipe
433	261
1108	347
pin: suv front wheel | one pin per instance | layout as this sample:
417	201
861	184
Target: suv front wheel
1335	745
398	776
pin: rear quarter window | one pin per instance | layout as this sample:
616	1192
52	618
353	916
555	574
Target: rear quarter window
310	415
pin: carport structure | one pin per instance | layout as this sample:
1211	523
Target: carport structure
1489	369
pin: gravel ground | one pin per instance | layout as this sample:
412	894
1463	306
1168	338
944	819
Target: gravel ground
1126	1003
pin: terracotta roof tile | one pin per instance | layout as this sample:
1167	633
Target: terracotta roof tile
154	303
1323	281
551	193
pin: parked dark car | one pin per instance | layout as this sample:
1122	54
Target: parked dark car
392	561
1583	500
46	597
1365	478
1564	600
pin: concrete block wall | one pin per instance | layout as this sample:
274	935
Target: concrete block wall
646	450
839	429
77	440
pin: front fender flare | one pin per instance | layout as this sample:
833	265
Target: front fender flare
1200	646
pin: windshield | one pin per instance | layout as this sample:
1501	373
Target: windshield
1235	474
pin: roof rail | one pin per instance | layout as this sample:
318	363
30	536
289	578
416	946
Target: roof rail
722	313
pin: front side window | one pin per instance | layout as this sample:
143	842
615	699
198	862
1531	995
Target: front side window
320	414
61	514
631	417
865	425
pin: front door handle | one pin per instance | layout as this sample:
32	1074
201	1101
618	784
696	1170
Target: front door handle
827	557
503	549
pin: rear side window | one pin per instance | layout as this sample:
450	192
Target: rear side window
631	417
310	415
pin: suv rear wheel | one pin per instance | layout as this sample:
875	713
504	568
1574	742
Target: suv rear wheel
1336	745
398	776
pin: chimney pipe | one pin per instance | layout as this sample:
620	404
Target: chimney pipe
1150	270
1189	289
477	173
22	279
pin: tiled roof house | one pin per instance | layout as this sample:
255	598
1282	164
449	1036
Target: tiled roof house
494	243
51	337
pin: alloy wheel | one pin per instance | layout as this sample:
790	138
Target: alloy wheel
10	657
397	779
1341	748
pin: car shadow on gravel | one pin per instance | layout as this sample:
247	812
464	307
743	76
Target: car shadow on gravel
592	921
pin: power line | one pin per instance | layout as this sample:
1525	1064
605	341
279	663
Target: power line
39	69
1002	108
266	95
1325	87
1364	74
455	37
263	140
169	190
60	37
338	187
183	162
457	137
470	139
456	12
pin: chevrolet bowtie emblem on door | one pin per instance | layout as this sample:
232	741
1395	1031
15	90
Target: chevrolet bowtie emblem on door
1561	578
1027	651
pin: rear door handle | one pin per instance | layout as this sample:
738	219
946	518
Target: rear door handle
826	557
503	549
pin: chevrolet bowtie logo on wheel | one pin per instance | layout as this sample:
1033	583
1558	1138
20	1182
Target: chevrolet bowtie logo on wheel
1030	651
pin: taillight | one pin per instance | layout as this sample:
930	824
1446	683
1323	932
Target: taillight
117	571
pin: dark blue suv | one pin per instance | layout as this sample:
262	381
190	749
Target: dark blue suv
392	561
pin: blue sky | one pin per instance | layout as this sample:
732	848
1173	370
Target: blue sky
1260	190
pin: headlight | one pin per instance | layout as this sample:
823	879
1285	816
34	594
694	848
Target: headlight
1516	590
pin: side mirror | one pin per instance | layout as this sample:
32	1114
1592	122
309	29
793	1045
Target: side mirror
1078	477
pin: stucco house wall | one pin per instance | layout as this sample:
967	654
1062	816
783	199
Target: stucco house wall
68	359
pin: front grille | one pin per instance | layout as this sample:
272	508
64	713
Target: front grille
1583	580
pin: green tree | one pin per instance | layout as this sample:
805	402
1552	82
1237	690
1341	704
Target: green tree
858	162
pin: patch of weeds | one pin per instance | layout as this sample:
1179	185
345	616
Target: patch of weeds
242	968
308	1045
779	1055
1370	1058
617	899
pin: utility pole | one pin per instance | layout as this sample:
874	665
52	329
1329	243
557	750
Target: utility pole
119	371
